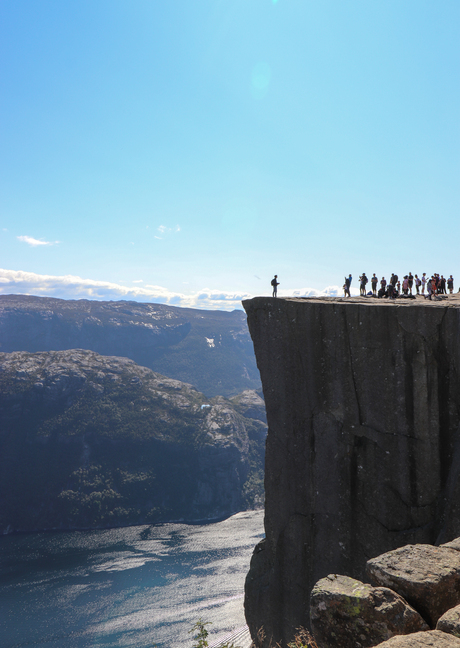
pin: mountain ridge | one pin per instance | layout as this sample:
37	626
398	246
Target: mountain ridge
211	350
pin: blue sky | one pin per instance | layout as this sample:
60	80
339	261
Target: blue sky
186	151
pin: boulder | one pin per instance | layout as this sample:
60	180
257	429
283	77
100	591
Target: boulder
431	639
450	621
344	610
427	577
455	544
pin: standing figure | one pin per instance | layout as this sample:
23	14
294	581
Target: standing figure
362	287
405	285
418	283
429	288
450	284
442	286
410	282
423	283
374	284
275	283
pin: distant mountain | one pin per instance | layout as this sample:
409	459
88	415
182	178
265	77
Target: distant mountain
212	350
93	441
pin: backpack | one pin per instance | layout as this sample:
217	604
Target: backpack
273	282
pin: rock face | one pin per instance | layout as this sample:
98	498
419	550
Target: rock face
344	612
428	577
94	441
211	350
363	449
450	621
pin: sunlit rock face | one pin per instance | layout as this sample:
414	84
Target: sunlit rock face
363	449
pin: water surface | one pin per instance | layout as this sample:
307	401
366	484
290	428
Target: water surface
134	587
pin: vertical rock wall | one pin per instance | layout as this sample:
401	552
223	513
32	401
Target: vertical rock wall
363	449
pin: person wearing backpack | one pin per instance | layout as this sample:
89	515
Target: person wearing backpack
275	284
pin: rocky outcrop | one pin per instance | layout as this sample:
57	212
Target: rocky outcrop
250	404
363	449
211	350
450	621
345	611
427	577
92	441
431	639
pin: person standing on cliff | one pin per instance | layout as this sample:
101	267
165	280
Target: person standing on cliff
374	281
275	284
346	286
362	287
410	282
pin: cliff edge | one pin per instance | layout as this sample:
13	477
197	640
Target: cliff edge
363	449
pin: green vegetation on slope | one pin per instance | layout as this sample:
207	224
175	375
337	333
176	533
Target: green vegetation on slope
88	440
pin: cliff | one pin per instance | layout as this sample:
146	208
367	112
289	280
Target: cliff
211	350
95	441
363	449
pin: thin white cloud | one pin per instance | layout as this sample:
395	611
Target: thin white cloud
35	242
74	287
162	229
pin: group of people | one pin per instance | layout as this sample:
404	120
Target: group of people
434	285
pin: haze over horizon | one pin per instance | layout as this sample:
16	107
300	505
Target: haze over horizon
185	152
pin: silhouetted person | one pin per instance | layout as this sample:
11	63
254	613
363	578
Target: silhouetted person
346	286
275	285
374	281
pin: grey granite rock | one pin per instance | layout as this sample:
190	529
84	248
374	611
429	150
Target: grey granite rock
431	639
450	621
363	448
454	544
345	611
427	577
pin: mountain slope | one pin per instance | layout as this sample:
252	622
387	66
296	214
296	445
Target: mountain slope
89	440
211	350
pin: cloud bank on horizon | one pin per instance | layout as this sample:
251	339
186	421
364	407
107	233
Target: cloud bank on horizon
74	287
